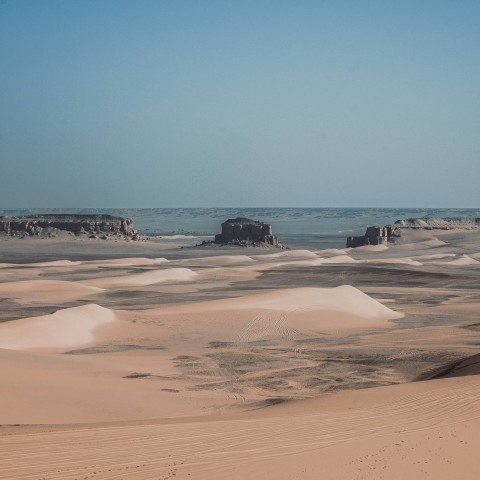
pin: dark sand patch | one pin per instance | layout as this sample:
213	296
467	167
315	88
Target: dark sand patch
112	349
457	368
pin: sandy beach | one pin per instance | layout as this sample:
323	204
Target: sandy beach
152	361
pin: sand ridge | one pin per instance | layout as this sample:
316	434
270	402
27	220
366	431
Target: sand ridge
46	291
145	278
69	327
396	432
344	298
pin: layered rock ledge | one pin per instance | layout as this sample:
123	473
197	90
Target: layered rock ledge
448	223
76	224
373	236
246	232
388	233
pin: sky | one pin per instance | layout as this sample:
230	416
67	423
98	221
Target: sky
246	103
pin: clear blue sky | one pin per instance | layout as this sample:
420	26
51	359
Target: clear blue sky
138	103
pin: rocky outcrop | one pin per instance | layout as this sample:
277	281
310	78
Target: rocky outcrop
373	236
379	235
92	225
449	223
245	231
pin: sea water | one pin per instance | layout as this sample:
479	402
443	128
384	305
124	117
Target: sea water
312	228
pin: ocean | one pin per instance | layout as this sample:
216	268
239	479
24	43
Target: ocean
297	227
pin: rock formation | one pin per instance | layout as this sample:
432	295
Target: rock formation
379	235
449	223
244	231
48	225
373	236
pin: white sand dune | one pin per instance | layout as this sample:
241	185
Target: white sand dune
287	254
314	262
127	262
344	299
432	242
69	327
331	251
395	260
463	260
339	259
217	260
54	263
283	315
171	275
369	248
434	256
232	274
46	291
121	262
180	237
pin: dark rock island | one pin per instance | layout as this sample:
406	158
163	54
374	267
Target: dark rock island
246	232
76	224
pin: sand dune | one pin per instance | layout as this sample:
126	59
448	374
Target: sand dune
432	242
127	262
331	251
345	300
213	385
46	291
217	260
232	274
283	315
121	262
394	260
434	256
287	254
369	248
180	237
458	368
421	430
314	262
462	260
54	263
146	278
65	328
49	388
339	259
342	299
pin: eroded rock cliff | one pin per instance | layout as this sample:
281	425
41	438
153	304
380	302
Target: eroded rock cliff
450	223
373	236
379	235
49	225
245	231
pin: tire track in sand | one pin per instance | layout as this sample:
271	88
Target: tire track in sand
208	448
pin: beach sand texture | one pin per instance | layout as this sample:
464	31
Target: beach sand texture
237	363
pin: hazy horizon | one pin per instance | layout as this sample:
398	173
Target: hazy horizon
186	104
